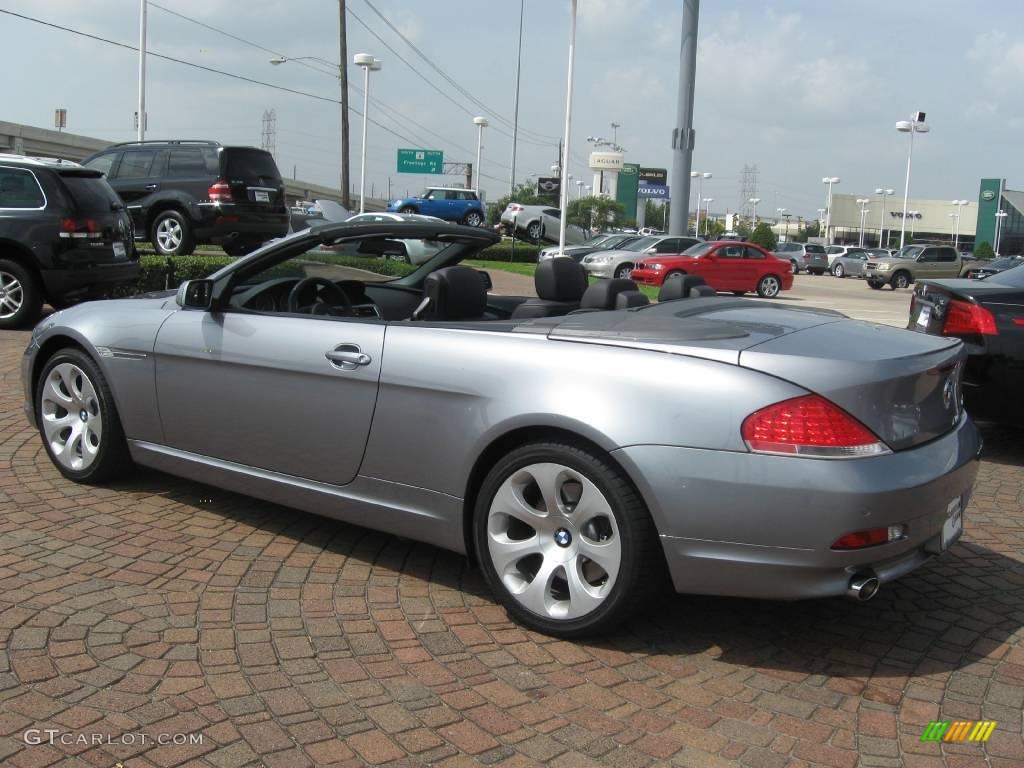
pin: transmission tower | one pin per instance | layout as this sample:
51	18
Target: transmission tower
269	139
748	188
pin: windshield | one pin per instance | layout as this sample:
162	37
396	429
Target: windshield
908	252
596	240
1013	277
698	250
642	244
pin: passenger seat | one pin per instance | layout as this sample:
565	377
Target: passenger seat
560	284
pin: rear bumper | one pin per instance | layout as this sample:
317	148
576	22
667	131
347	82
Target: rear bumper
224	222
750	525
61	283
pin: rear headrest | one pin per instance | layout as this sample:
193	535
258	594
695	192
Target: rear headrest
679	287
601	295
702	290
560	279
455	293
628	299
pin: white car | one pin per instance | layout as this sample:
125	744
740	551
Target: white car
539	222
619	263
835	251
416	251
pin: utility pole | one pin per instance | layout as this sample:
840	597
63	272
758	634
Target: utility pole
346	200
682	134
515	116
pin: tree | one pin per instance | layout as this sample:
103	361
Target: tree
711	229
743	230
984	250
764	237
595	213
525	194
812	229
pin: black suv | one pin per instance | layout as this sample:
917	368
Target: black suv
181	193
64	235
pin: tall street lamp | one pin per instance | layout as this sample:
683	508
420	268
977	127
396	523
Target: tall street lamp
754	201
913	221
881	225
480	123
782	212
564	190
959	206
1000	215
579	188
369	64
699	176
862	202
830	180
915	124
707	212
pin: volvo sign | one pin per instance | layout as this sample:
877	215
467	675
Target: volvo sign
653	192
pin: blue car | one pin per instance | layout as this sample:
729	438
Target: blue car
459	205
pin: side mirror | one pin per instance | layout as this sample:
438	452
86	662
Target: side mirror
485	278
652	249
195	294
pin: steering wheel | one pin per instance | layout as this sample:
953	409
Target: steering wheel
327	296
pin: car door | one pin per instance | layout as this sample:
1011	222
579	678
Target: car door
259	390
928	265
433	203
948	263
724	269
132	182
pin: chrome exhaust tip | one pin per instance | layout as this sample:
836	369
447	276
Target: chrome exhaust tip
862	588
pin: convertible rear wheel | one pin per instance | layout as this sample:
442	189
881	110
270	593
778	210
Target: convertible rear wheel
564	540
78	420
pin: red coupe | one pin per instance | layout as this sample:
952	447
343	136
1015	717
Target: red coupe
724	265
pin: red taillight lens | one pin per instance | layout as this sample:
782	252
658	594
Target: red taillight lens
81	228
963	317
869	538
219	191
809	426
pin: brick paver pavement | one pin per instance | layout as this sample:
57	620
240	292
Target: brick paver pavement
159	606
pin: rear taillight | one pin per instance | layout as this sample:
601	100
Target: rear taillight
967	318
516	208
81	228
219	191
809	426
870	538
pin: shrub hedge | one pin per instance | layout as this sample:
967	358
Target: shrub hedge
525	253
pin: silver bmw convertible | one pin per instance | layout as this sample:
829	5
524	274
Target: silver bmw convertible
580	445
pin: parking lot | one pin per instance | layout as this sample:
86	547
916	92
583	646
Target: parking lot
160	606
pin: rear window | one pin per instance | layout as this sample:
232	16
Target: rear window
811	248
250	165
90	193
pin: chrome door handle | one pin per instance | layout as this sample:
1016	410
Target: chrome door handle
348	357
151	186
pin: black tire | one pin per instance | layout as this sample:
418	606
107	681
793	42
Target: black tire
162	234
769	286
875	285
623	271
112	456
473	219
21	295
901	279
641	573
533	230
796	266
407	209
838	271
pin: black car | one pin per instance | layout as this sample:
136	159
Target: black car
988	314
981	269
182	193
64	235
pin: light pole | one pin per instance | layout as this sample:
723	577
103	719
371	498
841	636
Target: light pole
782	212
754	201
579	188
564	190
915	124
913	222
142	71
1000	215
615	132
881	221
787	217
480	123
707	212
699	176
369	64
830	180
862	202
959	205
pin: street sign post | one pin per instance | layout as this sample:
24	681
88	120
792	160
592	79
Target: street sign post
420	161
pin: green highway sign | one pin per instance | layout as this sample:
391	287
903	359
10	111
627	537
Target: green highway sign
420	161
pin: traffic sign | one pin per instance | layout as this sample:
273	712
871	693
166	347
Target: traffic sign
653	192
420	161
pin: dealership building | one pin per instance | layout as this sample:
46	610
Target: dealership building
934	221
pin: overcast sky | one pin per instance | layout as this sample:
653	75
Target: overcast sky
802	88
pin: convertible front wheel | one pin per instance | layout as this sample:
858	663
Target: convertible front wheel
564	540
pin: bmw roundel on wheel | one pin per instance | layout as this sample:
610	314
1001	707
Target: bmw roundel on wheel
584	447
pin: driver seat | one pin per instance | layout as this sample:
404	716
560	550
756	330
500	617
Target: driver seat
453	293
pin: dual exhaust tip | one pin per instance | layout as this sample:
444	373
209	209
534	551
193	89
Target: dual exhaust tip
862	587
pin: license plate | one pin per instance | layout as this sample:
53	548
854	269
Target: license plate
954	525
119	250
924	316
262	197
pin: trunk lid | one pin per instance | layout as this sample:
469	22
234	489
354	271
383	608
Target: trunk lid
254	179
98	229
904	386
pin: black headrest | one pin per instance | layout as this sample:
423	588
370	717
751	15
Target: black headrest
679	286
560	279
628	299
455	293
702	290
601	295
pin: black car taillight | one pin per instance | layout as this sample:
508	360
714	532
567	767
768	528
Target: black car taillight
964	318
219	191
81	229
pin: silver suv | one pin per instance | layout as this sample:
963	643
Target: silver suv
805	257
912	263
